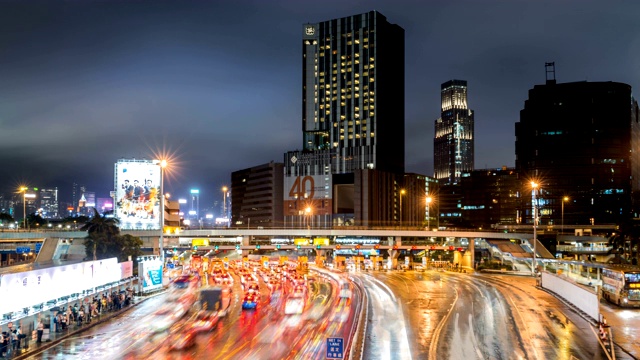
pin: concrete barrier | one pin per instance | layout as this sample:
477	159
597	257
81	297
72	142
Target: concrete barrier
579	296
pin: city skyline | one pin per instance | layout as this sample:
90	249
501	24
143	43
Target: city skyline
88	84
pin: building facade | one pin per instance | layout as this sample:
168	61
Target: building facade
257	196
353	92
576	140
496	203
453	144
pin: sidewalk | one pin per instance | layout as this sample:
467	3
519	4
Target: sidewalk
55	338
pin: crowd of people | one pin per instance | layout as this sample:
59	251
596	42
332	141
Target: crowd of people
79	314
12	339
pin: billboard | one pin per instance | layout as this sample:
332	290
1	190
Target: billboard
137	184
151	273
310	191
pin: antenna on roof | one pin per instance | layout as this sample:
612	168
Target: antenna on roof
550	72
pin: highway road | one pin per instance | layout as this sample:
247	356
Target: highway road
449	315
263	333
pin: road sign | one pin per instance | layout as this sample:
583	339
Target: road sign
38	247
335	348
23	250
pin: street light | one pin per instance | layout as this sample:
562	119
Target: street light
224	201
402	192
429	200
534	190
24	205
566	198
163	164
307	212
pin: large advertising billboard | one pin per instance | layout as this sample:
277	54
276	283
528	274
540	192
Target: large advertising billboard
310	191
138	194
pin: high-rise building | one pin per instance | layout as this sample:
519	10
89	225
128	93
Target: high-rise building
579	142
353	92
453	144
352	121
496	203
49	203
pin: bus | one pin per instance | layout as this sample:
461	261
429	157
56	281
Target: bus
621	286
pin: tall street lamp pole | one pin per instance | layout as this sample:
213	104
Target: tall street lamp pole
534	187
562	221
402	192
224	201
24	205
163	164
429	200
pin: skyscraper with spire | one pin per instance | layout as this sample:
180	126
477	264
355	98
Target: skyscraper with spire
453	143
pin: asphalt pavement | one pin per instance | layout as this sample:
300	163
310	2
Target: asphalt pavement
32	348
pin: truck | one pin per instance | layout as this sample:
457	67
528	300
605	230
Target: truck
210	299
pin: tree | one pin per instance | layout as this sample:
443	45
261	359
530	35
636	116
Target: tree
102	235
35	221
6	218
129	246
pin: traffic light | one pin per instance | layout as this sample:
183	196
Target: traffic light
318	247
175	249
338	247
395	247
237	247
278	246
413	247
376	246
216	247
195	248
298	247
358	247
257	247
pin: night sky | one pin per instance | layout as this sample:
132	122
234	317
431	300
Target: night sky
217	85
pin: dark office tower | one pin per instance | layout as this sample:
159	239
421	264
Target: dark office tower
353	92
453	143
257	196
577	141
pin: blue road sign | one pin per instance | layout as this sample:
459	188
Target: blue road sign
38	247
23	250
335	348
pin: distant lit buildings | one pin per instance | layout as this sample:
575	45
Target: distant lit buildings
49	207
579	140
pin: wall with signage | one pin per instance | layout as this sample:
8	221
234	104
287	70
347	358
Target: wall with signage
312	191
30	288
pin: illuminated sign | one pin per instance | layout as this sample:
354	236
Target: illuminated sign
200	242
195	191
302	241
151	273
311	191
138	194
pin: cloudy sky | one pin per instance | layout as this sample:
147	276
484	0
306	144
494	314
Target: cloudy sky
217	84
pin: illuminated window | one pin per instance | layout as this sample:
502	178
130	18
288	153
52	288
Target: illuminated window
357	41
372	60
371	135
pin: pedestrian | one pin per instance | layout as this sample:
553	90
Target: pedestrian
40	330
15	340
64	321
3	348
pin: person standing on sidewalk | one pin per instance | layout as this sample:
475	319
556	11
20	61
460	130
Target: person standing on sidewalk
40	331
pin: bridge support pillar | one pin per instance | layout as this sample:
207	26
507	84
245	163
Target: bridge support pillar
246	240
392	261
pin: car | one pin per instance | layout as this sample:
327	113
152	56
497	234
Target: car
224	279
252	287
183	281
250	301
183	341
204	321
